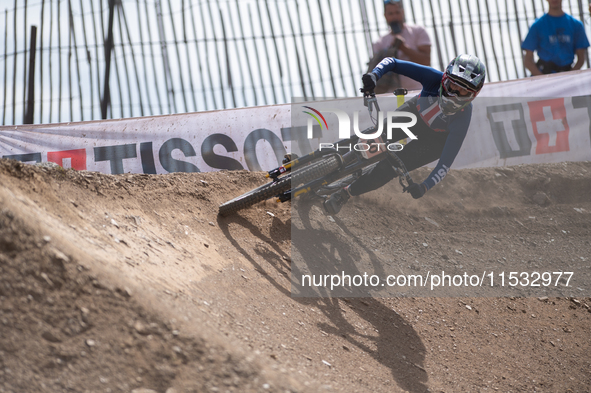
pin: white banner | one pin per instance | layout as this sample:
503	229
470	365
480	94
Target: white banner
249	138
513	131
506	129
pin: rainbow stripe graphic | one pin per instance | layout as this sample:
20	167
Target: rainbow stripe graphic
316	117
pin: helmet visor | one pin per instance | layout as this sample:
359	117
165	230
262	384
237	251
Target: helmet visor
457	92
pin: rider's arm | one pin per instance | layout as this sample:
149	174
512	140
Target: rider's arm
458	130
580	58
529	46
530	64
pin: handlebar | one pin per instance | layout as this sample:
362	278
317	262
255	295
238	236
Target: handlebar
367	92
370	101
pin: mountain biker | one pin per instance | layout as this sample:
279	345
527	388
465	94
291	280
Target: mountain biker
443	109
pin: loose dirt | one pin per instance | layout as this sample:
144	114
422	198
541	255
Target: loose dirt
116	283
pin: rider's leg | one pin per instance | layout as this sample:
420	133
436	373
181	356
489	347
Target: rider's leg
381	174
337	200
414	155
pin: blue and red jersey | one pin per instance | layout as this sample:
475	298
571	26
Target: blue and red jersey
456	125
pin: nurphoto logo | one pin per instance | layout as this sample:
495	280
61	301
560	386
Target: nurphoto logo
367	141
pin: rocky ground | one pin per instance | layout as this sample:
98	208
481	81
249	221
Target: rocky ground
129	282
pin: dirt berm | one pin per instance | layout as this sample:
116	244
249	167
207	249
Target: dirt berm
130	282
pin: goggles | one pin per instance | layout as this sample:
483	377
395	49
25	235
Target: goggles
457	92
386	2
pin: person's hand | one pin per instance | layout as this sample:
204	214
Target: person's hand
399	41
416	190
369	82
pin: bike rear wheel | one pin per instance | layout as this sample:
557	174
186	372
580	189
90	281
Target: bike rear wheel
269	190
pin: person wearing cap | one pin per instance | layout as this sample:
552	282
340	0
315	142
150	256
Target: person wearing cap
556	37
404	42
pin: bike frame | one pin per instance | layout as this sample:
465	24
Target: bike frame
351	162
324	171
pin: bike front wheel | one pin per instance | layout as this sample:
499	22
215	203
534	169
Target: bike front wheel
311	172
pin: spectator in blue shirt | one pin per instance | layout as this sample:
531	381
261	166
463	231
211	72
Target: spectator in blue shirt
557	37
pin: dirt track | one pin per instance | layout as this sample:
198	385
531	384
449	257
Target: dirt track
115	283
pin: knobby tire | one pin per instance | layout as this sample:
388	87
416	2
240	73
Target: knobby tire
269	190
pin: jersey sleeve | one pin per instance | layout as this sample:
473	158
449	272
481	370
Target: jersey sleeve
532	39
458	130
580	38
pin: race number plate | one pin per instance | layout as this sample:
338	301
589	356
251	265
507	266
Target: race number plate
371	147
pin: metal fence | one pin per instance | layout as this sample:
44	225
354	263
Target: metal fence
75	60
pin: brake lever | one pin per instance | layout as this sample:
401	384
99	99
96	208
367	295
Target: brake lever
370	101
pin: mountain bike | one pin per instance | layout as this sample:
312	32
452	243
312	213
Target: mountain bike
324	171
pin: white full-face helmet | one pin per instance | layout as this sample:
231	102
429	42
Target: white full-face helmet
462	80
